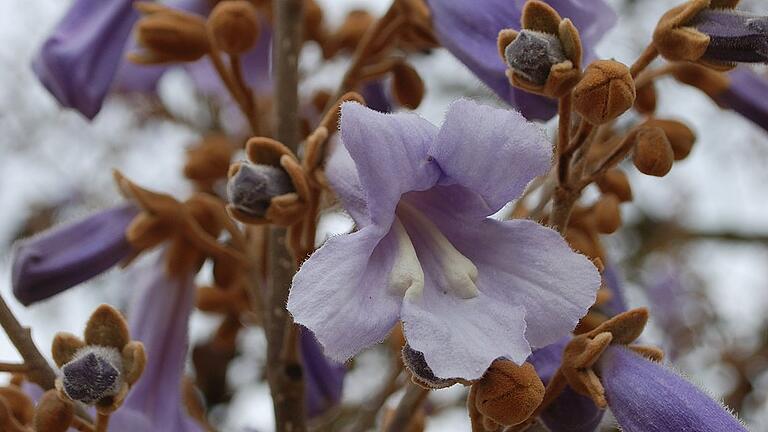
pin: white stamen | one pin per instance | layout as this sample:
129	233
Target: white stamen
407	277
459	271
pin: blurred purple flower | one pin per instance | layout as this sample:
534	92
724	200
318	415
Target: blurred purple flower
58	259
647	397
569	412
469	30
467	288
617	304
747	94
734	35
159	317
324	378
84	58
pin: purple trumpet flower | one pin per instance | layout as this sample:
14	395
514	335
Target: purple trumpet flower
571	411
467	288
55	260
469	30
747	94
84	58
324	378
734	35
159	317
647	397
78	62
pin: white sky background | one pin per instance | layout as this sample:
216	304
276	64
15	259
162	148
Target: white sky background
48	155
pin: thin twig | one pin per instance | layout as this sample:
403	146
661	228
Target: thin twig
647	57
39	371
13	367
102	422
414	396
81	425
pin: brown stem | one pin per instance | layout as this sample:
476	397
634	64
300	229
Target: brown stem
563	137
81	425
39	372
102	422
562	204
229	82
647	57
361	56
414	396
13	367
284	370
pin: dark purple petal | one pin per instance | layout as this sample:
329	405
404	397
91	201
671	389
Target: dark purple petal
252	188
647	397
159	317
570	412
747	95
58	259
469	30
78	62
324	378
734	36
376	97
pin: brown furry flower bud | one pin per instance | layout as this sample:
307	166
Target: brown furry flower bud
313	21
607	215
54	414
711	82
507	393
646	99
168	35
234	26
606	91
615	182
680	136
407	85
653	153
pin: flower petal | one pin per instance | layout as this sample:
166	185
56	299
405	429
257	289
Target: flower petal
747	94
493	152
340	292
58	259
159	318
78	62
342	175
647	397
324	377
460	338
523	263
390	153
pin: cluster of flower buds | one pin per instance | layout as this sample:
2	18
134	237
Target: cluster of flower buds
99	369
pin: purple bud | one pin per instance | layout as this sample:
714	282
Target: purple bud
735	36
92	375
324	378
533	53
570	412
647	397
252	188
58	259
747	94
